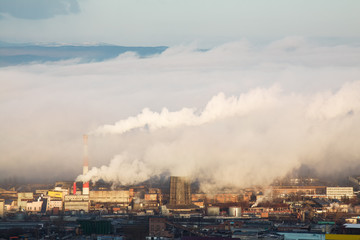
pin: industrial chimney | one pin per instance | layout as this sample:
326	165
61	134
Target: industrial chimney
85	165
86	160
74	188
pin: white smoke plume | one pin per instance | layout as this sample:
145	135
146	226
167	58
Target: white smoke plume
267	196
219	107
242	141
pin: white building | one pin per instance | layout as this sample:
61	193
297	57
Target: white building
51	204
34	206
76	202
339	192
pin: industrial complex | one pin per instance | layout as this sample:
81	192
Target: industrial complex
296	208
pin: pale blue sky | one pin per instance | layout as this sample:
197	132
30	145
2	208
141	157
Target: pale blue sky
173	22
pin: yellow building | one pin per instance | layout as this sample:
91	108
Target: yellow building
341	237
55	194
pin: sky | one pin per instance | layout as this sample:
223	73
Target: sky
174	22
246	92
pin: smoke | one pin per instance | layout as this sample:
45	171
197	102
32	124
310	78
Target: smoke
219	107
238	114
121	169
242	141
267	195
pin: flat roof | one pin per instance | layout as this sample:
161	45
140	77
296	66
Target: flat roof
349	225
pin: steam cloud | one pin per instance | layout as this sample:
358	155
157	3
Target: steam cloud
242	141
236	115
218	107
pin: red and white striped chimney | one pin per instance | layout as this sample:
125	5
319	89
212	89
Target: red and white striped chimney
86	160
85	165
86	188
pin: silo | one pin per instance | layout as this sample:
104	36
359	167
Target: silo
234	211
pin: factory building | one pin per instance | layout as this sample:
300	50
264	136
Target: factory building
154	195
152	199
34	206
339	192
179	191
56	195
76	203
120	197
23	198
54	203
315	191
216	198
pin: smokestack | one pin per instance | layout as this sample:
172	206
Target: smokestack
85	188
74	188
86	160
85	165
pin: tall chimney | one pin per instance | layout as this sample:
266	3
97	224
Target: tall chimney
74	188
86	188
85	165
86	160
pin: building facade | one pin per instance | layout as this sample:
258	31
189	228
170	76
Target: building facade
2	207
179	191
339	192
121	197
76	203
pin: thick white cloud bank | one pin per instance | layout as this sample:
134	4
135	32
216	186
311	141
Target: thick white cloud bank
235	115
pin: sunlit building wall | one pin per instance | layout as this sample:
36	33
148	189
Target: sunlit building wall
339	192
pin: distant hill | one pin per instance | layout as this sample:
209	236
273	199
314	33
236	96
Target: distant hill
16	54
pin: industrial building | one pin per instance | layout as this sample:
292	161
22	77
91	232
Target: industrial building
314	191
23	198
216	198
120	197
179	191
34	206
54	203
76	203
339	192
